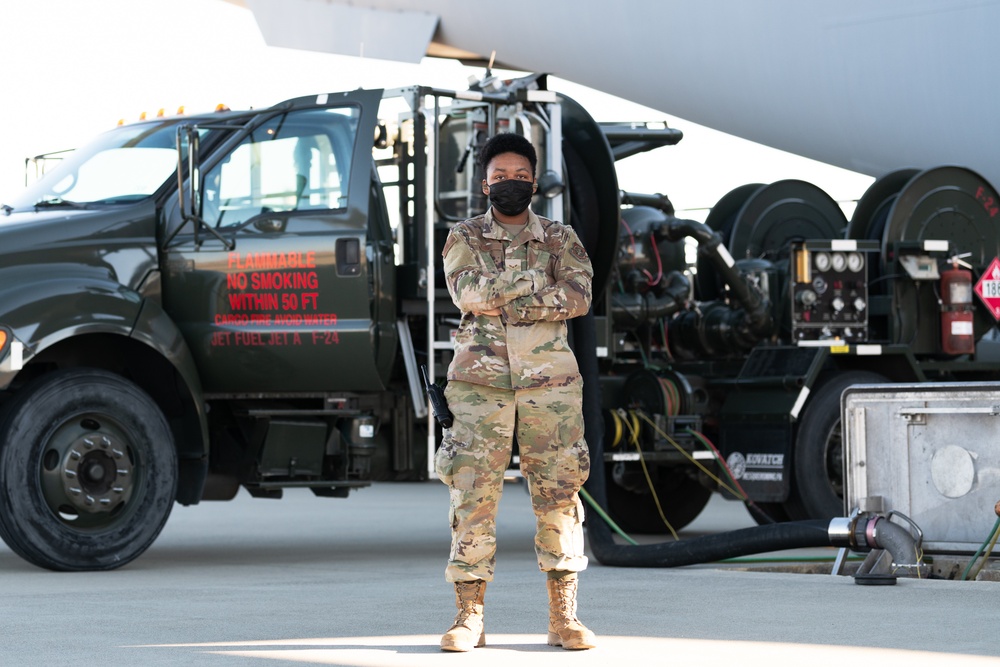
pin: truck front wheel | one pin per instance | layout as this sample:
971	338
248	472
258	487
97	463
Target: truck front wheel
88	471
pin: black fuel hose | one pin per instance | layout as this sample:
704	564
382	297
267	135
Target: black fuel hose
707	549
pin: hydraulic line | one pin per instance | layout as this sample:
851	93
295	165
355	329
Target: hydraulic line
649	480
696	462
760	515
709	548
756	319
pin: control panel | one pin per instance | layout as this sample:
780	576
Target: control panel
830	290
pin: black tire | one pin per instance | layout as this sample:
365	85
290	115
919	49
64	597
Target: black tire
818	487
88	471
681	497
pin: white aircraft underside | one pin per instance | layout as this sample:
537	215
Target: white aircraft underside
868	86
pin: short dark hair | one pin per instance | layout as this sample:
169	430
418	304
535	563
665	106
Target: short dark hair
508	142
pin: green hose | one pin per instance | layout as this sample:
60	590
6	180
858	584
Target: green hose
990	540
790	559
604	515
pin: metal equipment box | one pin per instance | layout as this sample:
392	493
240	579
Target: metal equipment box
929	451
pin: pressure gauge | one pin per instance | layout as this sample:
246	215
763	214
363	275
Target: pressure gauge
855	261
839	261
821	261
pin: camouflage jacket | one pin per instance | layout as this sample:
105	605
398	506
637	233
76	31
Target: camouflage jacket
538	279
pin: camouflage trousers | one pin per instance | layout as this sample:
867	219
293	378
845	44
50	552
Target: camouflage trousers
555	462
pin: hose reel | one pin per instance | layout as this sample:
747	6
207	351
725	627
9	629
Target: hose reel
760	221
908	210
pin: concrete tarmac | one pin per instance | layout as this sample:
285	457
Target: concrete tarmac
359	582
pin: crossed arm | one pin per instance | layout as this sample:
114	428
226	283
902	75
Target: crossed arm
529	295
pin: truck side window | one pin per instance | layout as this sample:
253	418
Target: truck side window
295	162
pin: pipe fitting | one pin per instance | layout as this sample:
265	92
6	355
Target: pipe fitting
871	532
840	531
897	541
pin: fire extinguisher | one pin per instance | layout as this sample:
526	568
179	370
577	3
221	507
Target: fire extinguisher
956	311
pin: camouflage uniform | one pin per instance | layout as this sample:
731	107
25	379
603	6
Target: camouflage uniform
515	373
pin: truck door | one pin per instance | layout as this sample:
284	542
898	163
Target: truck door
286	300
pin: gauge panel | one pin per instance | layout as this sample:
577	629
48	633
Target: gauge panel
833	305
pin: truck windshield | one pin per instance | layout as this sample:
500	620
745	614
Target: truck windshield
124	165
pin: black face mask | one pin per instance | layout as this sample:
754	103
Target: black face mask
511	197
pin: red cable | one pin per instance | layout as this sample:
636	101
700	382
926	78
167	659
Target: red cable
718	455
659	263
631	239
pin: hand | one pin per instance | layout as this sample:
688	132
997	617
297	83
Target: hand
492	312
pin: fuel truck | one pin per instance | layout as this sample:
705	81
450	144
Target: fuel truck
194	304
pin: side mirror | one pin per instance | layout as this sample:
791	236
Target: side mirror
190	207
187	136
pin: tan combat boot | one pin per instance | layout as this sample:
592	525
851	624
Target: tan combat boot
468	631
565	629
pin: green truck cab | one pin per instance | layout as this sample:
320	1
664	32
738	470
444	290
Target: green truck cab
152	352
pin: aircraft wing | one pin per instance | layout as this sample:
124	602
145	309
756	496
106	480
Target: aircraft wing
868	86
